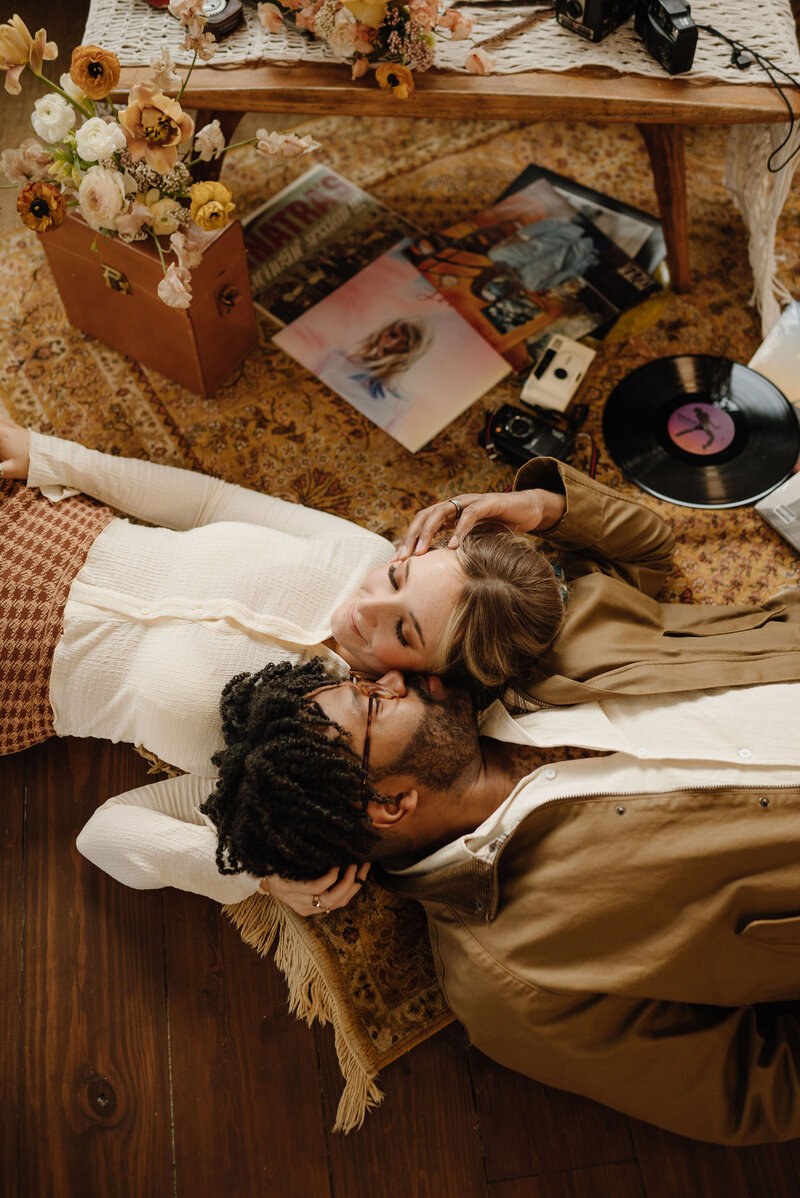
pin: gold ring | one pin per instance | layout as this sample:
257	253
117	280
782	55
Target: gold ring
457	506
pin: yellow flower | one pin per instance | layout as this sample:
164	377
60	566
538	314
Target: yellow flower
42	206
155	126
19	48
94	70
164	212
211	203
367	12
396	77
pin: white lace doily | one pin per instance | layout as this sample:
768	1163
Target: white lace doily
136	32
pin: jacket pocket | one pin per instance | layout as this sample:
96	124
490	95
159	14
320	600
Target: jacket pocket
783	931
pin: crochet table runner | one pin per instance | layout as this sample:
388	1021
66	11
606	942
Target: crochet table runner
136	32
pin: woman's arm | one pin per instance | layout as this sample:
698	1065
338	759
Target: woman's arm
155	836
169	496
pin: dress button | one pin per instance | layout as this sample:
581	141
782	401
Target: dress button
550	772
145	611
764	801
745	753
620	810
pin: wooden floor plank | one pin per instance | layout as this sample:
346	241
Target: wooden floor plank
529	1128
12	786
423	1142
247	1102
674	1167
604	1181
95	1087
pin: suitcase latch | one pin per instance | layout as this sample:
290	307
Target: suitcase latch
227	299
115	279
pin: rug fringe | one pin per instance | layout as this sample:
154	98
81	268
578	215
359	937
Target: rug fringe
260	925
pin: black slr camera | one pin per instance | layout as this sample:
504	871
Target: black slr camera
517	436
665	26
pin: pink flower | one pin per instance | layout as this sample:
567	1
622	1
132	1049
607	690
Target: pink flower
285	145
28	164
189	244
184	10
270	17
359	68
209	142
130	223
175	288
305	17
155	126
480	63
424	12
460	26
164	77
101	197
294	5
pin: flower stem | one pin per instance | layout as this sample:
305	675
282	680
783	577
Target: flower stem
160	252
186	80
88	112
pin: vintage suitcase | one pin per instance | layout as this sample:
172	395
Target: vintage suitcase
111	292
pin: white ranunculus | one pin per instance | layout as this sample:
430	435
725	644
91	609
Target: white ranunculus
71	88
101	197
52	118
97	139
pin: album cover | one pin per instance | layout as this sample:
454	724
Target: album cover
530	264
311	237
637	233
388	343
778	356
781	509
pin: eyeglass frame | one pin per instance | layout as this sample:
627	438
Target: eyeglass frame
373	691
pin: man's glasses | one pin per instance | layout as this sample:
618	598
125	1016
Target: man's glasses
373	691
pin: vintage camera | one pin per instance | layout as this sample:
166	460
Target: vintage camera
558	372
593	19
517	436
668	32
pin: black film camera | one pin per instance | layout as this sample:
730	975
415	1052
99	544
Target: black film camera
517	436
665	26
593	19
668	31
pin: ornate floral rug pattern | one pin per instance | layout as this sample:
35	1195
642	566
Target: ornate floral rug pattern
275	428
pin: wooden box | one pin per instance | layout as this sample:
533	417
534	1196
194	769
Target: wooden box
111	292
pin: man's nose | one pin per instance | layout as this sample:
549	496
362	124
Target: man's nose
393	680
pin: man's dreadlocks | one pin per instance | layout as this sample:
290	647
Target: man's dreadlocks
289	796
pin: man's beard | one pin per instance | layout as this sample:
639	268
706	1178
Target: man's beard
445	742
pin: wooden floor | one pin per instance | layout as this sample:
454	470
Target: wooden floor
145	1051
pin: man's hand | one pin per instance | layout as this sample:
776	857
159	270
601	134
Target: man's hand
522	511
15	450
331	890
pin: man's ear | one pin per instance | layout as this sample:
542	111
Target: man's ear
390	812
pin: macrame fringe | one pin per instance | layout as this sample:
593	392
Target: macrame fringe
760	195
260	925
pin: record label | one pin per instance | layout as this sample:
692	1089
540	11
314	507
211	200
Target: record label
701	431
701	428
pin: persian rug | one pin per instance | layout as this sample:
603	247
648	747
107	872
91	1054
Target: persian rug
273	427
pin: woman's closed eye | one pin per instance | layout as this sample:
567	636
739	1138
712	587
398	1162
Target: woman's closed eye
398	629
392	578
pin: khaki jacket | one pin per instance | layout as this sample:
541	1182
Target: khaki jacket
641	950
617	639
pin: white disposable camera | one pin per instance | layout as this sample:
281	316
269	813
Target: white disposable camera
557	373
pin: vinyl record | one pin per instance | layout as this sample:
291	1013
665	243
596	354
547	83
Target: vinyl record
701	431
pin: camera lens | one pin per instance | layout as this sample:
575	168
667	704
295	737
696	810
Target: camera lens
519	426
574	8
560	372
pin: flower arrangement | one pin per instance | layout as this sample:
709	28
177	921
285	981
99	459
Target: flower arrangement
399	36
127	171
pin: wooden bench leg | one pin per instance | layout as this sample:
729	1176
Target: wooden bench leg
668	163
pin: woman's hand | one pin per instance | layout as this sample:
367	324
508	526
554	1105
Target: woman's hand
523	511
15	450
331	890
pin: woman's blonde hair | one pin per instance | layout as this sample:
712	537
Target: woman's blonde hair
418	337
508	613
